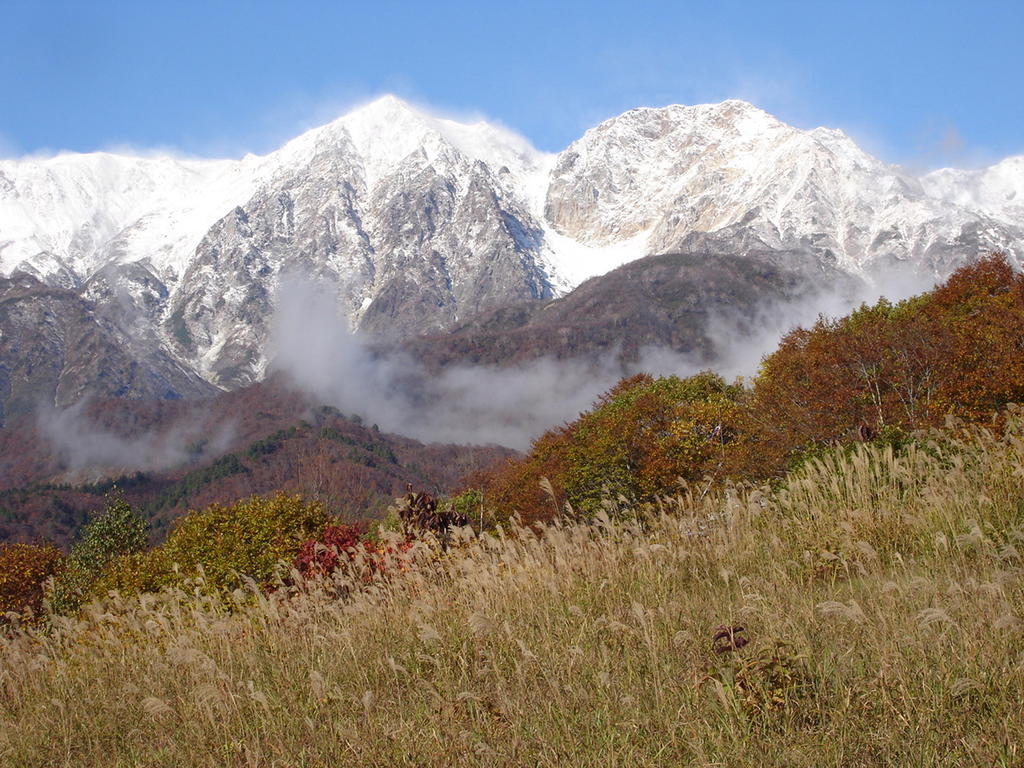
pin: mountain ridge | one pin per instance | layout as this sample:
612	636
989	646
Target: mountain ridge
419	223
372	129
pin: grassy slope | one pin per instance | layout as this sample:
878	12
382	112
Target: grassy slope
894	582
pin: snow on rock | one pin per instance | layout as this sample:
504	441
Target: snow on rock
91	209
414	221
679	170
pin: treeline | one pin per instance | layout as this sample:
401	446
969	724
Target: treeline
878	374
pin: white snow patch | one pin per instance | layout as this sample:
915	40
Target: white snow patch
571	262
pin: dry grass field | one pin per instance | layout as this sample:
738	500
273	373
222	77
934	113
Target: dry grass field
866	611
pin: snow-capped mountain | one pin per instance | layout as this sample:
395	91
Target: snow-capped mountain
418	223
732	169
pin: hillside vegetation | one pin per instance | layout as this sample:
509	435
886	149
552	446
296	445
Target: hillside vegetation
877	375
865	612
264	439
822	567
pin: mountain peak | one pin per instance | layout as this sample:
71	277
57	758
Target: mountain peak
382	108
732	116
388	129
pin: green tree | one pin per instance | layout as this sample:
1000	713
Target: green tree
118	530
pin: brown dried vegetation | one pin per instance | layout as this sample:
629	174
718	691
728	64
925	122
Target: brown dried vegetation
589	643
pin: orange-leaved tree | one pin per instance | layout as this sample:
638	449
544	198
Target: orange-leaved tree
981	309
957	350
24	569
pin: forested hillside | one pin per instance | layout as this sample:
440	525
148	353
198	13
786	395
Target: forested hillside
262	439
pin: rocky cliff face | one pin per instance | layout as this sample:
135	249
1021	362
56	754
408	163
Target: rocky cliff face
416	224
57	347
408	245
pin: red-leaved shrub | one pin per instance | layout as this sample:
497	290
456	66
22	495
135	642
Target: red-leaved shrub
321	556
340	546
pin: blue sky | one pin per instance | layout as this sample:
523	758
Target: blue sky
921	83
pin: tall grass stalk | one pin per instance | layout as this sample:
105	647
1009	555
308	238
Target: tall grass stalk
868	613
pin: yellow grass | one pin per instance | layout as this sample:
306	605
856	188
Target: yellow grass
881	596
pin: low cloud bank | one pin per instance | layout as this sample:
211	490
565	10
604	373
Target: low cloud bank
463	404
88	450
313	345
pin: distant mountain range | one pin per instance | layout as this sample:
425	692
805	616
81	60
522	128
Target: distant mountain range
158	277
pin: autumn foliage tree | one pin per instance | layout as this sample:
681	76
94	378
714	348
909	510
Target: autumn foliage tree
641	438
981	309
957	350
24	569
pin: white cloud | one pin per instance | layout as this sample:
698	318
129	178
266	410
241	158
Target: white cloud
88	450
511	406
